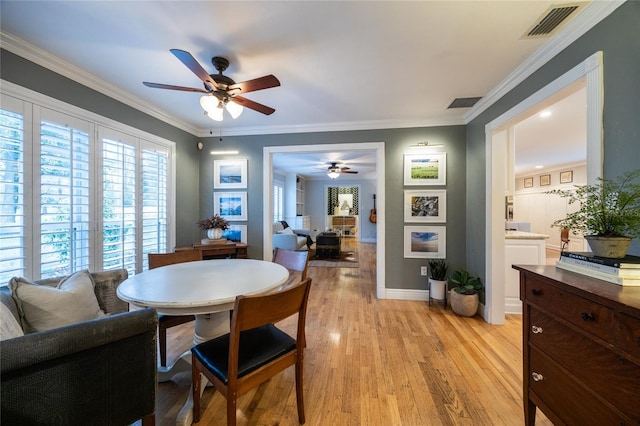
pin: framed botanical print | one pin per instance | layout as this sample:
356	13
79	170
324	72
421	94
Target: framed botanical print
425	169
231	205
230	173
425	206
425	242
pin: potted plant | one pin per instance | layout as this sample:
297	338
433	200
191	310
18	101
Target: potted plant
214	226
609	213
464	294
437	278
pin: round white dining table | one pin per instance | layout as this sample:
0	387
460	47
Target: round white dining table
206	289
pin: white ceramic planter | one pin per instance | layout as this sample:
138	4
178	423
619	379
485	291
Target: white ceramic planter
437	289
614	247
214	233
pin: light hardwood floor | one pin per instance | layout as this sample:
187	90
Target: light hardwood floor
377	362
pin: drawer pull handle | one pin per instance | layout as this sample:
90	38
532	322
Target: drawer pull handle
537	377
587	316
536	292
536	330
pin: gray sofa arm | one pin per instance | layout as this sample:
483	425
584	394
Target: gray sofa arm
102	371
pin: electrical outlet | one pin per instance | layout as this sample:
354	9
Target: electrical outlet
423	271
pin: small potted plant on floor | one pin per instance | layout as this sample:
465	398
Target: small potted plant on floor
609	213
464	294
437	278
214	226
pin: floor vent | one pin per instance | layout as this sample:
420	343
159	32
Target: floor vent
552	20
463	102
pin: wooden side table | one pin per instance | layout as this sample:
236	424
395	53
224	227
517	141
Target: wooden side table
218	251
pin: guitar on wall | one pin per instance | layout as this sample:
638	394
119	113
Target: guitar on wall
372	213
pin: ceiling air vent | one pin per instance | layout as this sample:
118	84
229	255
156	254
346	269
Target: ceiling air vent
552	19
463	102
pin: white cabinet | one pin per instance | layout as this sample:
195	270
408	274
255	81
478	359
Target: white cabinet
300	222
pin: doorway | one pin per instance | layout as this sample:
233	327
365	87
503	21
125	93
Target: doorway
497	148
267	169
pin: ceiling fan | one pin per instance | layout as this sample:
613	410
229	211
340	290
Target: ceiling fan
221	91
333	171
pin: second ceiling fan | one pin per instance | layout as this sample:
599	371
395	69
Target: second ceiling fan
221	91
334	170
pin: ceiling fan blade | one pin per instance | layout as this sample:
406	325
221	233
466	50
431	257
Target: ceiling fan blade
260	83
349	171
172	87
253	105
195	67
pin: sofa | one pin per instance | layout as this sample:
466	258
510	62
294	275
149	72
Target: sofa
290	239
101	371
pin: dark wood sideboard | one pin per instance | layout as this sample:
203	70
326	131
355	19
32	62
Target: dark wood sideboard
581	348
218	251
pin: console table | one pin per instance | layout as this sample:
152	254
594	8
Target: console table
218	251
581	348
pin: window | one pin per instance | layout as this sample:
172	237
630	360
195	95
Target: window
77	194
278	201
12	190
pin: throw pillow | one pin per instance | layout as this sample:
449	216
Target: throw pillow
43	307
287	231
9	326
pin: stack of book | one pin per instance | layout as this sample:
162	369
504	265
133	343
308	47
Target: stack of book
625	271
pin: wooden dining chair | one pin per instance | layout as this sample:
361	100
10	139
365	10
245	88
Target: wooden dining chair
564	239
157	260
255	350
295	261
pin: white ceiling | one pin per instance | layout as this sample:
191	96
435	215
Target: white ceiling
342	65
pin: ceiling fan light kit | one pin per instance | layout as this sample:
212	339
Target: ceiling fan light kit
221	91
334	171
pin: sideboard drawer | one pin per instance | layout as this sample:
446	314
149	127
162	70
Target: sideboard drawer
570	401
608	374
627	335
590	316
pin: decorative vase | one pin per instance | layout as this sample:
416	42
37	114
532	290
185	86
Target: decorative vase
214	233
437	289
465	305
613	247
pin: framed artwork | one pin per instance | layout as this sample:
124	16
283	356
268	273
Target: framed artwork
425	242
566	177
237	233
425	169
545	180
230	173
528	182
230	205
425	206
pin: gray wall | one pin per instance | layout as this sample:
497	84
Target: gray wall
400	272
618	36
32	76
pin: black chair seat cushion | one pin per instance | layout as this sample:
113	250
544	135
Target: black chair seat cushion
258	347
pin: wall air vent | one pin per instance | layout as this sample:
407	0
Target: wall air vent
552	19
463	102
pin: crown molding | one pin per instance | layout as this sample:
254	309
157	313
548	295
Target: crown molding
591	15
43	58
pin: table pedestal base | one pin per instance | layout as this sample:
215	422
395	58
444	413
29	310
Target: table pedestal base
207	327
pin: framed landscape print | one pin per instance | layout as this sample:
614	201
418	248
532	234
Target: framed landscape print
545	180
236	233
230	173
425	242
425	169
230	205
425	206
528	182
566	177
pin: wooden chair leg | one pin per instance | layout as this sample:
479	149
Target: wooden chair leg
162	341
299	391
196	383
231	407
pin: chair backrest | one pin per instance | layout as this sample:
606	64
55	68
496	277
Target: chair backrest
255	311
293	260
157	260
564	235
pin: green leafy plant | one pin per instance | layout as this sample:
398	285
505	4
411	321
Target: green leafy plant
438	268
214	222
608	208
464	283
